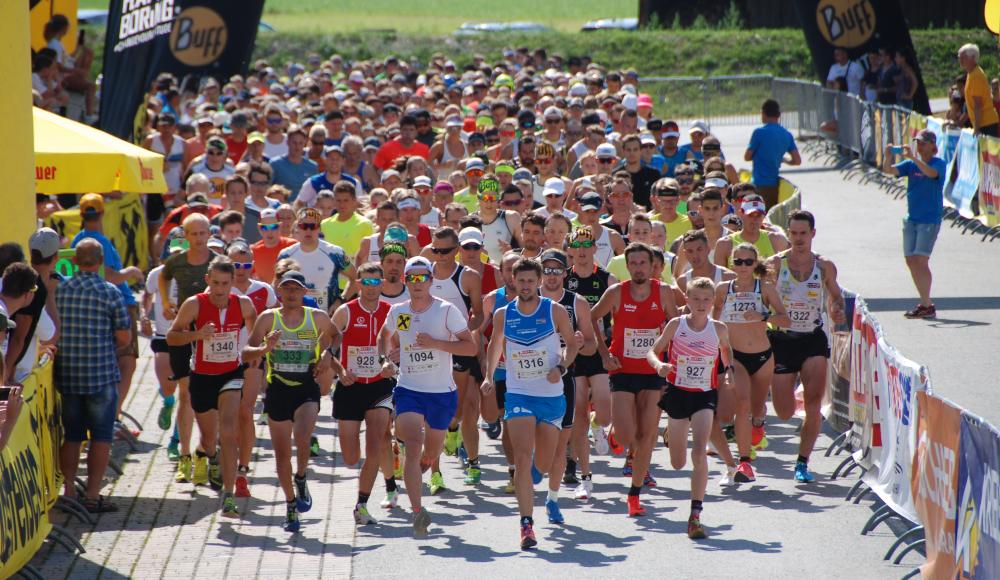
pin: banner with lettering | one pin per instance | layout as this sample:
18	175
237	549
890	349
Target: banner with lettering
184	37
934	481
989	180
963	174
124	224
866	437
977	531
896	383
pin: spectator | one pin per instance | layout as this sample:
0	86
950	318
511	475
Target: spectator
74	68
95	323
887	74
845	74
978	98
45	82
925	174
906	79
768	145
19	286
36	322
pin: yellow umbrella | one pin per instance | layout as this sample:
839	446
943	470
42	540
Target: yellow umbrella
71	157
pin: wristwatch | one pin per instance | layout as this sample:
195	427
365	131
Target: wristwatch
766	316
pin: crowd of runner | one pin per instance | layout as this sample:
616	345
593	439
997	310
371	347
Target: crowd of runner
520	250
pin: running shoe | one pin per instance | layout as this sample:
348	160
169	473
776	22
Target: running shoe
362	517
569	477
635	508
601	445
165	416
509	488
648	480
921	311
494	430
303	499
173	450
421	521
744	473
229	509
528	540
262	420
730	431
463	455
200	475
473	476
184	469
729	477
391	500
616	449
437	483
585	489
536	475
314	449
758	438
696	531
242	485
802	473
627	468
452	439
552	510
215	474
292	523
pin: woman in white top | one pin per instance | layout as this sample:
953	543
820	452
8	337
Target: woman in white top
75	68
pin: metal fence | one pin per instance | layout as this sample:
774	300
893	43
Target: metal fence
722	100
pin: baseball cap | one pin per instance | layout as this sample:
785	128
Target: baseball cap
45	241
372	143
644	101
470	235
255	137
214	242
732	220
422	181
389	173
585	183
293	277
554	186
927	136
453	122
417	263
197	199
356	76
554	254
408	203
716	182
474	163
522	174
216	143
647	139
178	245
553	113
578	90
396	235
591	200
606	150
444	186
268	214
749	207
630	102
698	126
331	149
92	203
576	102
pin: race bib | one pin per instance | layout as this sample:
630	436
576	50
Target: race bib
414	360
529	363
741	303
363	361
319	296
292	356
803	316
221	347
638	341
695	372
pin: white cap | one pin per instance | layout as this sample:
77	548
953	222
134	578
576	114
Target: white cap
717	182
408	203
453	122
647	139
753	206
553	113
422	181
630	102
585	183
356	76
698	125
554	186
268	213
606	150
418	263
389	173
470	234
220	119
578	90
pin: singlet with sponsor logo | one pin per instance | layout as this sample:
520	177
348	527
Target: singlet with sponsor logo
297	350
694	355
532	349
423	369
358	352
321	268
591	288
219	353
803	300
637	324
737	303
450	290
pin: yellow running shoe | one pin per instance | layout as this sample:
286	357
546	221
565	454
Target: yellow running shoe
183	474
200	476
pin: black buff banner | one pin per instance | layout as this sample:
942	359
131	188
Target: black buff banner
183	37
859	27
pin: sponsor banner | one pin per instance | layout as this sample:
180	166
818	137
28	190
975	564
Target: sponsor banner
866	438
124	225
184	37
989	180
963	174
977	526
896	383
934	481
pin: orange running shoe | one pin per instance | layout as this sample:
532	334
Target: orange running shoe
635	509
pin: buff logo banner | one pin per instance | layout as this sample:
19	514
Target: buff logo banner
183	37
857	26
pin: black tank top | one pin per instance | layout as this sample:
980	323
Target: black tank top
591	289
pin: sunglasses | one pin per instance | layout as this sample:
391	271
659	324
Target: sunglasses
215	152
649	146
582	244
472	247
667	193
269	227
243	265
260	183
488	197
423	190
274	121
444	251
744	261
475	173
552	121
308	226
553	271
371	281
604	161
319	142
417	278
543	160
511	203
493	141
684	179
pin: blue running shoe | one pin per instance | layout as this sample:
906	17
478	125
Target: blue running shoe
463	456
552	510
802	474
303	499
493	430
536	476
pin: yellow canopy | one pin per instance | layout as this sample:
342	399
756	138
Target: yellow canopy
71	157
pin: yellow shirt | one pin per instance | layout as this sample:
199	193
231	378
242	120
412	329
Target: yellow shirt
468	199
618	269
977	85
347	234
676	228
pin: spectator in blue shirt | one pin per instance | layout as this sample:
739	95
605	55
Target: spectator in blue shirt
94	325
768	145
925	175
292	169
